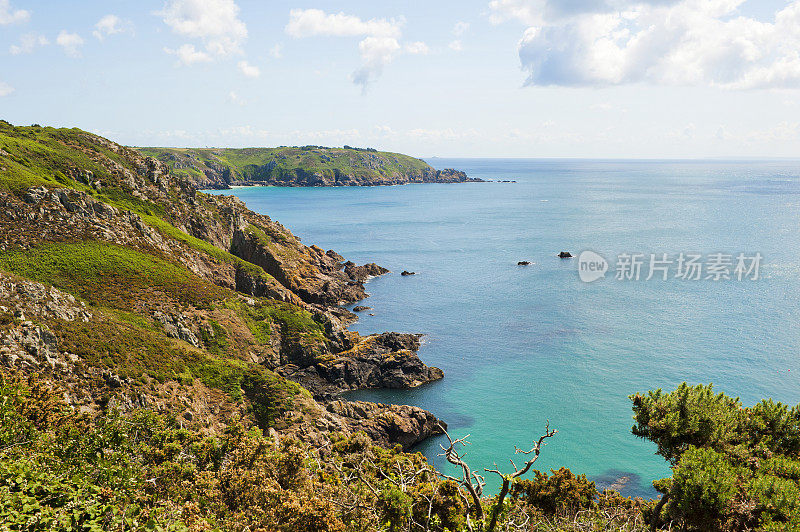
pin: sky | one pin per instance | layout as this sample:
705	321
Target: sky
448	78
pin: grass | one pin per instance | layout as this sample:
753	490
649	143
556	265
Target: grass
35	155
254	318
170	231
110	275
215	338
299	331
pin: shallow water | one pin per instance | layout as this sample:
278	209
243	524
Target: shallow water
521	345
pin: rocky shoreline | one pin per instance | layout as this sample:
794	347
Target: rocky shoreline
261	271
216	181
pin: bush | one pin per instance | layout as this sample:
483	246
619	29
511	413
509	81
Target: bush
560	493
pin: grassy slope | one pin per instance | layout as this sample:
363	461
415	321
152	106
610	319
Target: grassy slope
120	283
31	156
247	161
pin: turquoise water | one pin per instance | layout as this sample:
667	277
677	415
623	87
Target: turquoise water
523	345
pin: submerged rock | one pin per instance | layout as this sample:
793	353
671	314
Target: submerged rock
565	255
360	308
406	272
523	263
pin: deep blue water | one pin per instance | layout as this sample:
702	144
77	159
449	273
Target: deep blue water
523	345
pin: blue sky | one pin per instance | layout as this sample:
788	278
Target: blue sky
499	78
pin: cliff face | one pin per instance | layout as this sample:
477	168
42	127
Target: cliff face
308	166
125	287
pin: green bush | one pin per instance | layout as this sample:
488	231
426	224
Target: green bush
560	493
734	467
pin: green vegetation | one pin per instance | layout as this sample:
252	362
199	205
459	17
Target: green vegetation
215	338
132	350
154	216
255	317
60	470
285	163
734	468
110	275
31	156
302	337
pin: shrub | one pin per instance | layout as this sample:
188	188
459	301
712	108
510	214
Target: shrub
560	493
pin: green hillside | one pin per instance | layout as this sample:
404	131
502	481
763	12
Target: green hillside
301	166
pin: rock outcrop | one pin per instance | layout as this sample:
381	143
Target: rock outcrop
388	424
387	360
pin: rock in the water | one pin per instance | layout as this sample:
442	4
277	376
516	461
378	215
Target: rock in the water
523	263
387	360
360	308
362	273
620	483
565	255
388	424
406	272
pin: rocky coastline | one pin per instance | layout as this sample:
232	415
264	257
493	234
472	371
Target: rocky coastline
266	307
300	178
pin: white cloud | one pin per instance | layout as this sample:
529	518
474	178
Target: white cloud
379	46
276	51
417	48
375	53
70	42
111	25
251	71
537	12
28	43
9	15
189	55
456	45
679	42
215	22
460	28
315	22
5	89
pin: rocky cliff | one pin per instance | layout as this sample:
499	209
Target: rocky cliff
126	288
307	166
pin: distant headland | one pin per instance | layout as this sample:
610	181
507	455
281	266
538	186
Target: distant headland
302	166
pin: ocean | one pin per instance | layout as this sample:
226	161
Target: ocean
522	346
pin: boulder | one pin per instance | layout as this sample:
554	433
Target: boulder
362	273
565	255
406	272
388	424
